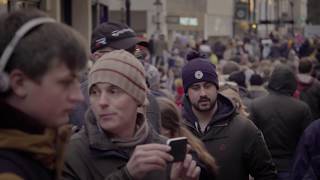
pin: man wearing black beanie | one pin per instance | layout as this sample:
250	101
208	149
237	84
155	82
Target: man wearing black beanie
235	142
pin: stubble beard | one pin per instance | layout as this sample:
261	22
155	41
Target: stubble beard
198	107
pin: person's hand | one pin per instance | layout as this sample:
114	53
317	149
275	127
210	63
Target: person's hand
148	157
186	170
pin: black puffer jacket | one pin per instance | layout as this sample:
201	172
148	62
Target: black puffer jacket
281	117
235	142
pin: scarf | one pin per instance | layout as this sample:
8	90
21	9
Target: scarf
47	148
99	139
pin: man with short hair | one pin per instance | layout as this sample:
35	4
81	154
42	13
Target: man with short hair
281	118
106	38
113	36
256	88
235	142
40	63
308	87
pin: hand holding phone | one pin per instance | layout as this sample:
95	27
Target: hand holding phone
178	148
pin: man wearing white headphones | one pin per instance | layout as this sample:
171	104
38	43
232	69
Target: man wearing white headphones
39	67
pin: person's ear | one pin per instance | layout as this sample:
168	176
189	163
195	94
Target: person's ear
19	83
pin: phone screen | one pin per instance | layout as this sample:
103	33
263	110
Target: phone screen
178	148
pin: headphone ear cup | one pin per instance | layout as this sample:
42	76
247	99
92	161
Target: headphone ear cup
4	82
6	54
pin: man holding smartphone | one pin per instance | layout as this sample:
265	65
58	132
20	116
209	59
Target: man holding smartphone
116	141
235	142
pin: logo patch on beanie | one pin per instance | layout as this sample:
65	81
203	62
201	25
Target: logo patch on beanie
198	74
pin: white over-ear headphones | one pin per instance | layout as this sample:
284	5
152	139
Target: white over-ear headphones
21	32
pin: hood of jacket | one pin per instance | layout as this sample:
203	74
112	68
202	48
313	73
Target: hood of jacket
17	132
283	80
224	111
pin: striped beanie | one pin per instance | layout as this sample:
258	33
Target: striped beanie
122	69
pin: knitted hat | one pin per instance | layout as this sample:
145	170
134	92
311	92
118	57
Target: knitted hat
199	70
239	77
256	80
123	70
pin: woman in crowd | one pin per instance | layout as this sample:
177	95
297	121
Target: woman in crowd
172	126
231	90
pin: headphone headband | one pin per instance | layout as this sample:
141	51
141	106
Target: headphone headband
24	29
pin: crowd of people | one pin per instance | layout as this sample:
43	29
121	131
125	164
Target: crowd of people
249	107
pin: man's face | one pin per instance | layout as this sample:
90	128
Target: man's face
142	53
202	96
52	99
114	109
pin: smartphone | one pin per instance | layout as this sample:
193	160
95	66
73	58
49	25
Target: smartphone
178	148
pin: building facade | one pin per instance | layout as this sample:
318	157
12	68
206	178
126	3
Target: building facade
147	17
200	19
283	16
72	12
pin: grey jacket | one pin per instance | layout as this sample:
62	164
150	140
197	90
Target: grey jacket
92	155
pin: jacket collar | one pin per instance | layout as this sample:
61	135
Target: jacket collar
13	118
224	111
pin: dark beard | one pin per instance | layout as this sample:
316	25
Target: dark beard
197	107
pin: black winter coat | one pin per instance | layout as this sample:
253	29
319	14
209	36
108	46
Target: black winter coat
282	120
281	117
234	141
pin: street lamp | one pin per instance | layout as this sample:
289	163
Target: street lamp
267	16
128	16
292	16
158	4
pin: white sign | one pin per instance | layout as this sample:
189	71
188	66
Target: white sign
312	30
188	21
